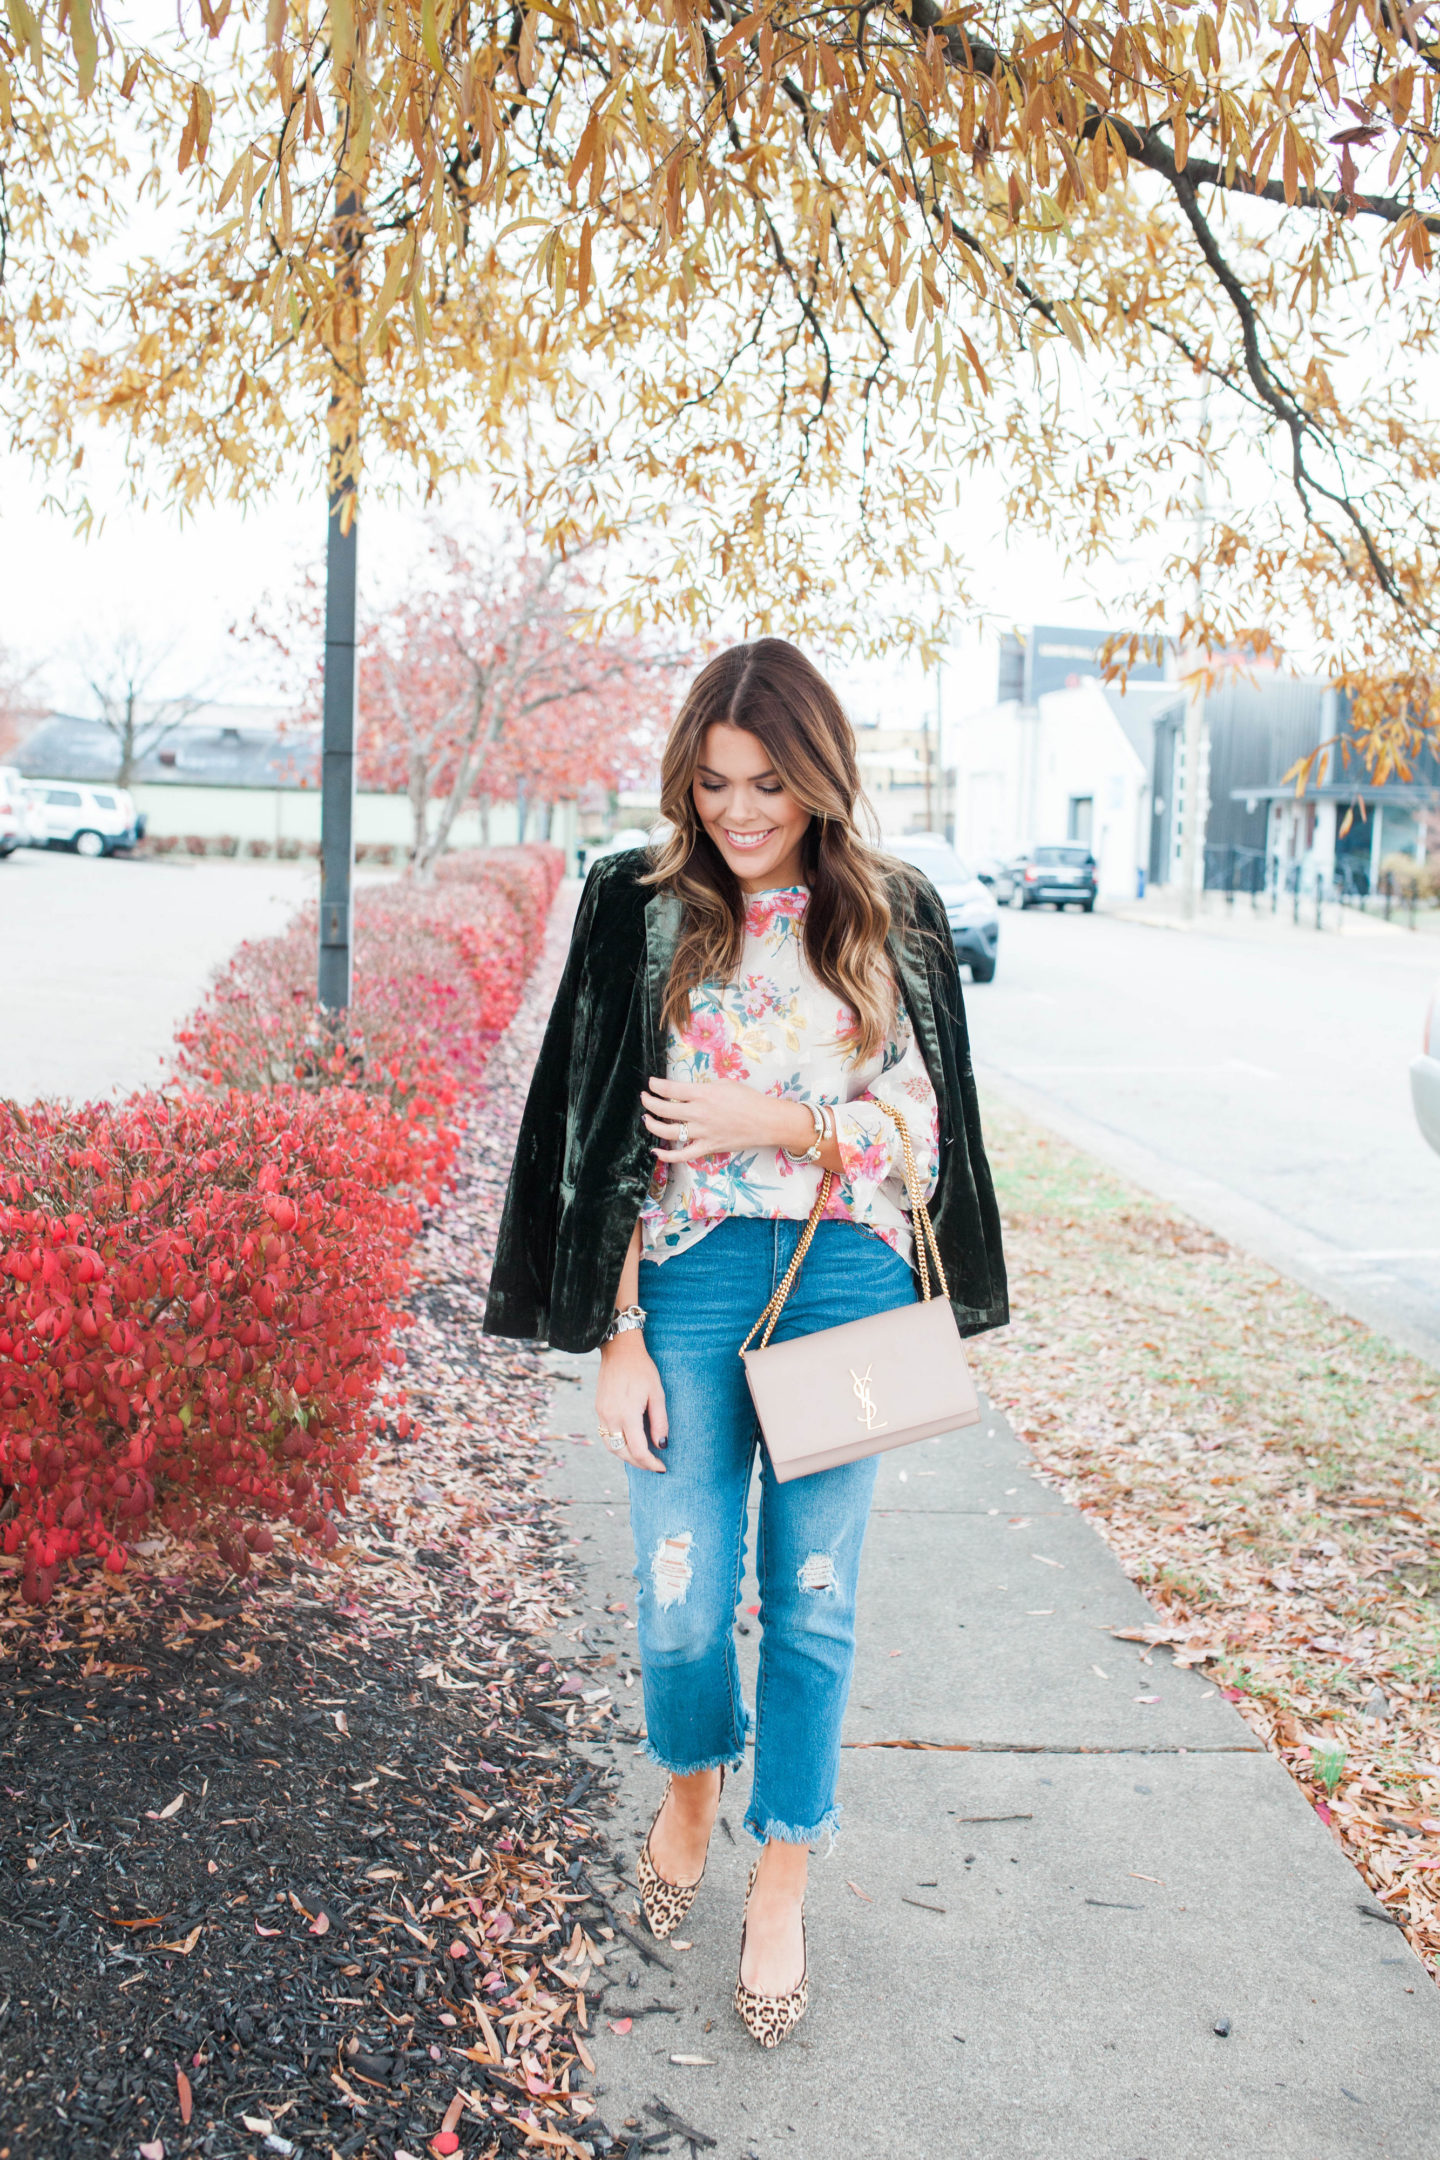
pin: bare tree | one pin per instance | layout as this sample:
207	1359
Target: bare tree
120	683
18	702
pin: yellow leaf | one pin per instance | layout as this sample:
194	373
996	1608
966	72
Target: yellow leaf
585	152
1064	315
342	30
429	36
526	64
974	359
737	36
25	27
395	263
83	44
233	178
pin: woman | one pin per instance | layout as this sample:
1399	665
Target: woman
737	1005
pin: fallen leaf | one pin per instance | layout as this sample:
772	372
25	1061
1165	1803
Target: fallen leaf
173	1808
155	2150
260	2124
320	1925
620	2025
453	2113
267	1931
183	1949
1044	1562
583	2052
859	1892
182	2087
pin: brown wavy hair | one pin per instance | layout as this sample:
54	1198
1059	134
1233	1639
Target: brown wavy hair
773	692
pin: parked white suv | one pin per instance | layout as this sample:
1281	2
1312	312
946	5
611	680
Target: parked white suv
87	820
19	818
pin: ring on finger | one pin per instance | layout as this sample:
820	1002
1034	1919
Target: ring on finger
682	1136
614	1441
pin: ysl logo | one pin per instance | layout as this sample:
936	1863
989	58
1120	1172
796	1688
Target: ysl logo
869	1415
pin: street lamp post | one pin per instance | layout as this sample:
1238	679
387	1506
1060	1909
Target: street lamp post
337	762
337	755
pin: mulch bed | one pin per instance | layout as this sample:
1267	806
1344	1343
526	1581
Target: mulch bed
1265	1467
312	1864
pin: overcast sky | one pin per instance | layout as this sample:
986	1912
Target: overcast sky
180	586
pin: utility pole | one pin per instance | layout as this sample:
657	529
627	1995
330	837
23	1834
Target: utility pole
1195	800
930	756
337	765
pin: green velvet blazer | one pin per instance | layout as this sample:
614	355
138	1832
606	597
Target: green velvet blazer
583	1159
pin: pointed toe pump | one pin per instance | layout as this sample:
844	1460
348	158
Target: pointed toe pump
769	2019
665	1903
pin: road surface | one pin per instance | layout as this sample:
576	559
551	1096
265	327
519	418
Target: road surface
1260	1081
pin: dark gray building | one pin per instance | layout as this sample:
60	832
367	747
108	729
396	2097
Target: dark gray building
1049	657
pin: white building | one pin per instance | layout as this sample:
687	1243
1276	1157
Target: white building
1074	765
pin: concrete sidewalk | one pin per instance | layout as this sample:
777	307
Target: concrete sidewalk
1219	916
1037	1919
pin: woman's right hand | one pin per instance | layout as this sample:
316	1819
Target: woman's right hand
629	1387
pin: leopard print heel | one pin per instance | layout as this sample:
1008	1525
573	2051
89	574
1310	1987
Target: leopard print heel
771	2018
665	1903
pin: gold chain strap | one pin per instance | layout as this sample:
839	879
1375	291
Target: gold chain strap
919	1211
786	1284
920	1216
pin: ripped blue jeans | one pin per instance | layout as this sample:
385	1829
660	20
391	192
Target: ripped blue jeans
689	1522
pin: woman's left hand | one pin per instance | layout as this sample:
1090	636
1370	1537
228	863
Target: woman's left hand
721	1117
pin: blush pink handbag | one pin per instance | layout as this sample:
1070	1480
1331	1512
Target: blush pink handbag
873	1384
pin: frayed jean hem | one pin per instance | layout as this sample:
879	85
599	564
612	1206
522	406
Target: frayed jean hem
787	1834
731	1760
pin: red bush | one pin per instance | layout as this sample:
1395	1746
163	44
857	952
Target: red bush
198	1294
439	972
197	1299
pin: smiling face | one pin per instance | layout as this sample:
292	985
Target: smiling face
744	806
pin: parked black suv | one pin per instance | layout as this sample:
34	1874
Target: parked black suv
1065	876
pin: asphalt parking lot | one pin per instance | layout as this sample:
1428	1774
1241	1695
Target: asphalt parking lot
99	961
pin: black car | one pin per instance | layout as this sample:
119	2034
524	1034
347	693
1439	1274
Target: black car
1065	876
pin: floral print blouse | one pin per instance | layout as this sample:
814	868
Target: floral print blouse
776	1028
